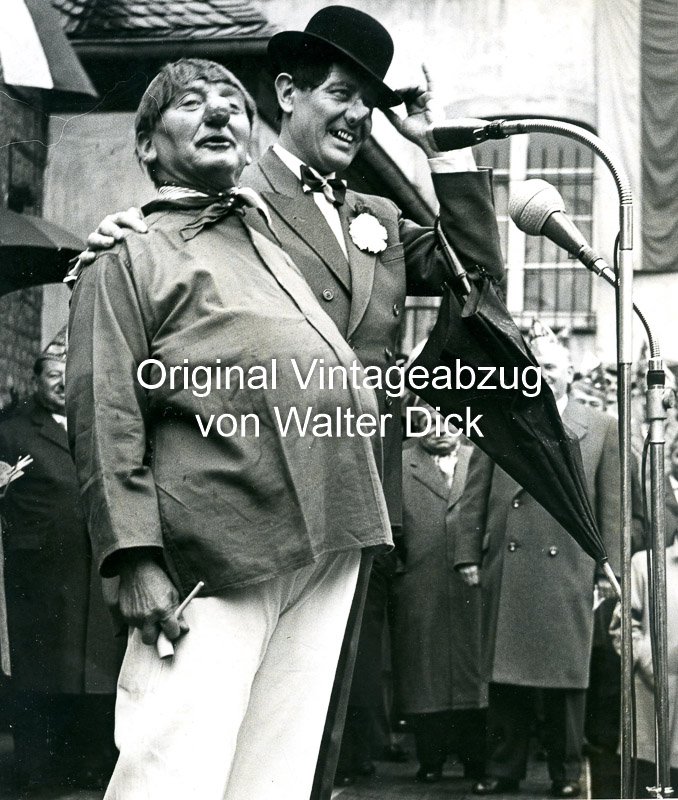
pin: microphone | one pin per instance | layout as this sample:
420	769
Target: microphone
456	134
537	209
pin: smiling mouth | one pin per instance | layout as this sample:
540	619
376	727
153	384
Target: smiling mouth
344	136
215	140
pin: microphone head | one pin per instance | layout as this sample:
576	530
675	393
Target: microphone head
456	134
532	203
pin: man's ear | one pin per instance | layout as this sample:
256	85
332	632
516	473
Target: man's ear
145	149
285	89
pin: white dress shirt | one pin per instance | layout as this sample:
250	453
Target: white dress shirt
445	162
327	209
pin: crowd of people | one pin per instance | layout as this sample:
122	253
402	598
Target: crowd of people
489	604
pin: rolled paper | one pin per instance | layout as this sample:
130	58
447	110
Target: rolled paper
164	646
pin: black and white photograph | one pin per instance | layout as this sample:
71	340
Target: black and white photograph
401	524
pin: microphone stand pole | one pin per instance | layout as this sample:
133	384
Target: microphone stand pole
656	416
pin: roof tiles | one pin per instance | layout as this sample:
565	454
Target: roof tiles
161	19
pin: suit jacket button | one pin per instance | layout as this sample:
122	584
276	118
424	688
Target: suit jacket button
516	503
396	309
512	547
389	401
553	551
328	295
388	353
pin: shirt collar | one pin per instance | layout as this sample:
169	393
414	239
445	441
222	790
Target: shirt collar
562	404
294	164
60	419
170	192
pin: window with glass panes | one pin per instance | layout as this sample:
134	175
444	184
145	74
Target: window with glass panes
542	280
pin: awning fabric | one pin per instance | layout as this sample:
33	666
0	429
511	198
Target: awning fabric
34	51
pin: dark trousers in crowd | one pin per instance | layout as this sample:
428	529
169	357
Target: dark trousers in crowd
603	706
363	735
510	719
439	733
63	739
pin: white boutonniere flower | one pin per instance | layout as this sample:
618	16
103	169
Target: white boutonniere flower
368	233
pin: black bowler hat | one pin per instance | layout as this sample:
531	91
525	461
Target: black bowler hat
354	35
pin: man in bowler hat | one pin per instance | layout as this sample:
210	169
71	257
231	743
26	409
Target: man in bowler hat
356	252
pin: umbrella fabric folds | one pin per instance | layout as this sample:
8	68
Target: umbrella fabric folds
524	435
34	50
33	251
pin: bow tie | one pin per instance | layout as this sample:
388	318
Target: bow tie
211	208
334	189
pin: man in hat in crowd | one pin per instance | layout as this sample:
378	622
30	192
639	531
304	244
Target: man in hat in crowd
64	658
272	520
538	590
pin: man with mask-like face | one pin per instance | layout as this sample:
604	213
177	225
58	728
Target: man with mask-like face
357	252
171	500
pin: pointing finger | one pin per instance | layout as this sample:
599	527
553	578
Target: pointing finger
435	110
428	77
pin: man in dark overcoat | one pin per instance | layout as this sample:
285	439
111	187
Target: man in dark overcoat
436	632
537	586
64	657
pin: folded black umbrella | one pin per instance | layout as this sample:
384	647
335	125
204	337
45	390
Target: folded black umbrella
523	434
33	251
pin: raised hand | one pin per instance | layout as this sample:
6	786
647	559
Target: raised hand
111	230
421	113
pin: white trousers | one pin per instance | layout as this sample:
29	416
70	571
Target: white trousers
238	712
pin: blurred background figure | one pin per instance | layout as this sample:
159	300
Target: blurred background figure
642	649
436	628
538	591
64	657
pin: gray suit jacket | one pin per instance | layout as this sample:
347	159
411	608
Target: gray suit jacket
365	296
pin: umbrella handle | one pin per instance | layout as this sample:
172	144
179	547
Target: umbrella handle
453	261
609	574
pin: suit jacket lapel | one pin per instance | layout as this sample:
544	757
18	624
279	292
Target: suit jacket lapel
293	282
363	265
255	220
298	210
49	428
426	471
573	422
459	479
